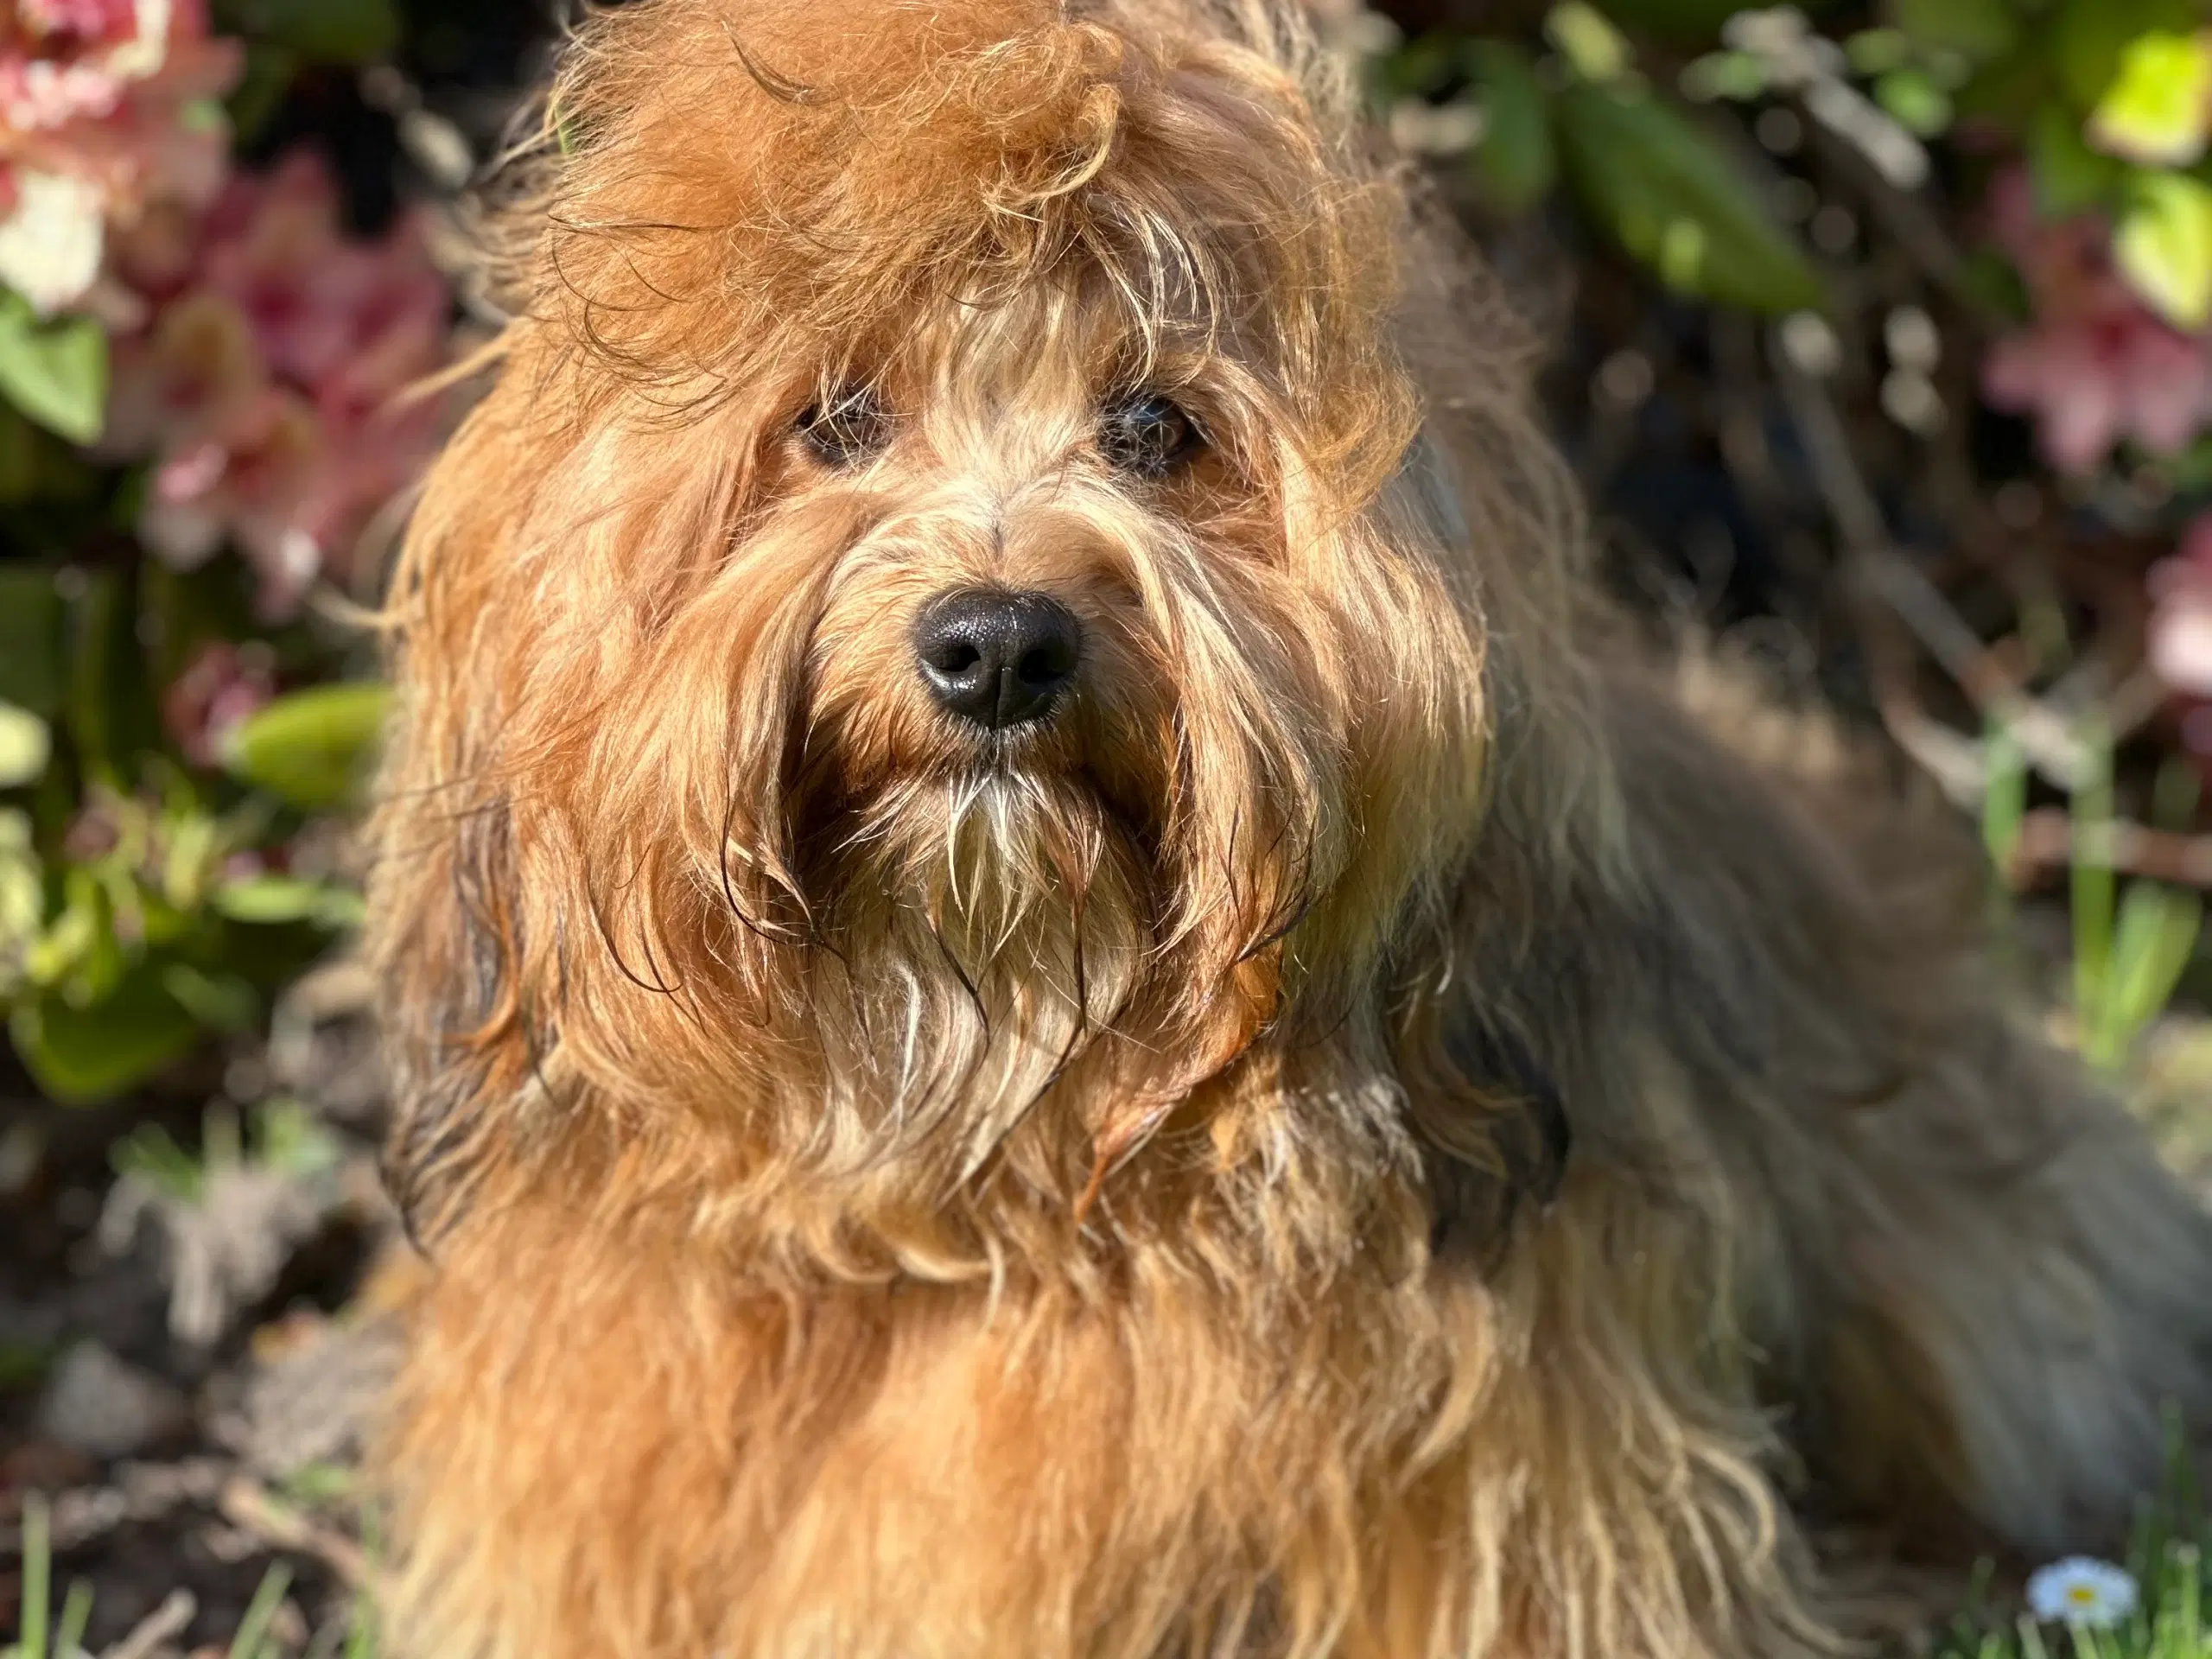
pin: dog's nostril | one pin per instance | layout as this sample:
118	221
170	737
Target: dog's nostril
1047	665
996	657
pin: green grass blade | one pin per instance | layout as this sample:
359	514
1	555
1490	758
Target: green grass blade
253	1629
2092	881
38	1570
76	1614
2004	798
2189	1613
2149	958
361	1634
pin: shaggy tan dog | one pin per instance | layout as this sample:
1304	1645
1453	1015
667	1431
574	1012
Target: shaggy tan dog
1058	993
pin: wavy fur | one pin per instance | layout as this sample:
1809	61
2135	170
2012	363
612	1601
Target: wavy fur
1395	1124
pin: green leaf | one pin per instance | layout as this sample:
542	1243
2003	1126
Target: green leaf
2087	38
312	747
220	1002
1420	68
1920	105
111	713
1676	201
274	901
30	639
1593	48
1682	20
2163	247
2160	104
19	457
23	890
322	31
1737	76
81	1055
1877	51
2068	175
2009	93
269	73
1979	29
26	745
55	372
1516	159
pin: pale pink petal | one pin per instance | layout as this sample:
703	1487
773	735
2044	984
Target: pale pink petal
2180	643
2163	381
2014	373
2078	425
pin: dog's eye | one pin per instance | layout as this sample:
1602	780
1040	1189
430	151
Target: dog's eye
846	429
1148	434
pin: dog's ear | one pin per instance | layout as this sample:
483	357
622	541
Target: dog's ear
448	892
1494	1132
1431	493
459	1031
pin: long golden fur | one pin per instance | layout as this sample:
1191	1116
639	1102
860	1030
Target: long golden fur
1395	1123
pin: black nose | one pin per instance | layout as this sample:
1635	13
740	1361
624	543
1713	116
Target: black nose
997	657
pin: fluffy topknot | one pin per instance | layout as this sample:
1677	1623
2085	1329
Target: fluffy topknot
838	165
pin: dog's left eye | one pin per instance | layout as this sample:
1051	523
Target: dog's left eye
846	429
1148	434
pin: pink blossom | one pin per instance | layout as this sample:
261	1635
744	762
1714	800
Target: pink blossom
2178	642
270	381
115	100
2095	379
2094	366
2180	634
186	373
100	22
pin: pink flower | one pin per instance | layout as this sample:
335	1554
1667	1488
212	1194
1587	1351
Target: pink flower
182	376
220	686
270	382
242	476
2094	367
2180	634
2094	380
106	109
100	22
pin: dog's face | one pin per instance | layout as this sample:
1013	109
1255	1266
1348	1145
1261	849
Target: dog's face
984	624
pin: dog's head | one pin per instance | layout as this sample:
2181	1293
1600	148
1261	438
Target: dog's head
946	610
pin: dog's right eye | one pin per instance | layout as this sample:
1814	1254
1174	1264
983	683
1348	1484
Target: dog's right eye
846	429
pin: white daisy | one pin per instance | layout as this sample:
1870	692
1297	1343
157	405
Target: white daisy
2082	1591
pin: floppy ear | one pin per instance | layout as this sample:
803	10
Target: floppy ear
456	1030
1494	1135
445	934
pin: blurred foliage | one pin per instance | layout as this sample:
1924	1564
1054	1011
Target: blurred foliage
2111	100
145	898
172	747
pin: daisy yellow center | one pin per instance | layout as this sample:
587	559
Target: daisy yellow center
2082	1595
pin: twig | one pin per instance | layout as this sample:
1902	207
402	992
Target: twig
1954	761
1875	569
2049	840
247	1504
1904	216
165	1624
